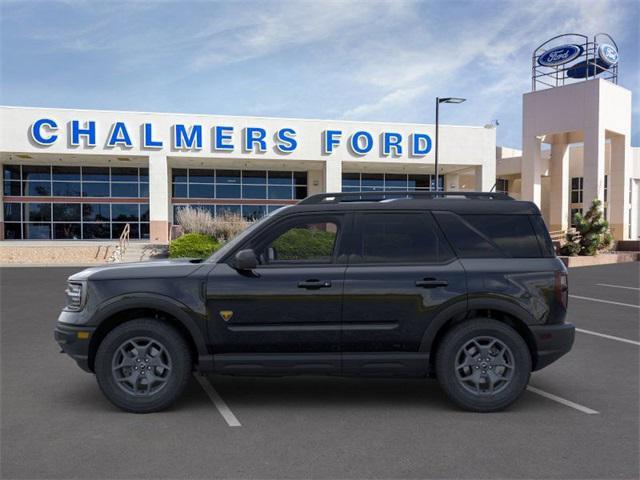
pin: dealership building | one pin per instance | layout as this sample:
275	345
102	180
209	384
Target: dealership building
82	174
86	174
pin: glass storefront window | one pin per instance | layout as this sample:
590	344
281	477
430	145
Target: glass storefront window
37	212
95	189
66	173
67	231
36	172
74	219
124	212
66	212
356	182
66	189
197	190
37	189
129	190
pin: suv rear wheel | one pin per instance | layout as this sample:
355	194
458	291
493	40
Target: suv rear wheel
483	365
143	365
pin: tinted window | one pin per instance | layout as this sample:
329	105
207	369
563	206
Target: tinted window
513	234
401	237
305	241
467	242
544	240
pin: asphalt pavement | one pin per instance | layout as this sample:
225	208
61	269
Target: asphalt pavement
579	420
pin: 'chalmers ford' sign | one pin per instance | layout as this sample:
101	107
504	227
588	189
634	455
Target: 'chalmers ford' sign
46	132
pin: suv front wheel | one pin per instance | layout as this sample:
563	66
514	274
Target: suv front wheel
483	365
143	365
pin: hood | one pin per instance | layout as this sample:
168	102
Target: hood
151	269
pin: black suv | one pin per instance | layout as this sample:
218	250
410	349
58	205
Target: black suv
461	286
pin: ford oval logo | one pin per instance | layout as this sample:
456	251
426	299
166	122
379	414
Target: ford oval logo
560	55
608	54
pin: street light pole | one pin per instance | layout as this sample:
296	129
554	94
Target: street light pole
437	142
438	102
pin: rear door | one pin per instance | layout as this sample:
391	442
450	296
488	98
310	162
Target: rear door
401	273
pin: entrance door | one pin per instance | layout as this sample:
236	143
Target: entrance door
286	313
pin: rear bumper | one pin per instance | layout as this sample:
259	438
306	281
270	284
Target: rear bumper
552	342
72	344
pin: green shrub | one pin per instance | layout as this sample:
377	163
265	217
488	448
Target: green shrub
193	245
303	243
592	233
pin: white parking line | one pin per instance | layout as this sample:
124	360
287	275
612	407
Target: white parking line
604	301
616	286
217	400
610	337
563	401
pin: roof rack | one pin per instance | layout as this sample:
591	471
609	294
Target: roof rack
386	195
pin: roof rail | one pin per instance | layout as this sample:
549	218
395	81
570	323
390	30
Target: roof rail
382	195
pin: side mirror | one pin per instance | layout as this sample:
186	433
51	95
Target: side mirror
246	260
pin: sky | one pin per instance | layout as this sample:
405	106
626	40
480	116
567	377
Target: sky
345	60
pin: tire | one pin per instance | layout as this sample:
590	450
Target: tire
480	385
136	344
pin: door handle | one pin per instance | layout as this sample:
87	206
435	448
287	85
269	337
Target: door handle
431	283
314	284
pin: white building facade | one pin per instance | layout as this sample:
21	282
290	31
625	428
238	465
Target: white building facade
85	174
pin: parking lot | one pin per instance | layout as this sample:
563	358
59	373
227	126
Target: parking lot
579	419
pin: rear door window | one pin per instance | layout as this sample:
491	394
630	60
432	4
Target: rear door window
400	237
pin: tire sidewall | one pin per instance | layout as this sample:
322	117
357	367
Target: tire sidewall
457	338
176	348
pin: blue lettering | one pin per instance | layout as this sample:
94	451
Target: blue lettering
89	131
253	136
147	138
222	137
186	139
356	145
286	141
330	140
392	140
37	134
421	144
119	136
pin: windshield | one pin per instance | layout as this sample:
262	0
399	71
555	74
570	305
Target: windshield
231	244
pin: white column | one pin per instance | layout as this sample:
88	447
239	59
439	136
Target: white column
593	166
618	187
452	182
531	169
485	176
559	205
332	175
159	198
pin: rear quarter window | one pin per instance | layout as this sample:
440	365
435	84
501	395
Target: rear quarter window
491	236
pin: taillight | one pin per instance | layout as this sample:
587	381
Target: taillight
562	289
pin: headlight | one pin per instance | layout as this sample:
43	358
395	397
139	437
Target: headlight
75	296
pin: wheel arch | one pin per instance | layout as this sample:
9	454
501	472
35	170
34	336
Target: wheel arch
498	309
121	310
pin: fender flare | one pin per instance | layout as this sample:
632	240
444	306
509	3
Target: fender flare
460	309
155	301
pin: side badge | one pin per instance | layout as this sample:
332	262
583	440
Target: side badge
226	315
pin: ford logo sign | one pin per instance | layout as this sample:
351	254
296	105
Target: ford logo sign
560	55
608	54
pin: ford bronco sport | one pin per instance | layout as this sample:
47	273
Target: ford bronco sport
461	286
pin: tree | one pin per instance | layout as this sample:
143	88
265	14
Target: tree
592	233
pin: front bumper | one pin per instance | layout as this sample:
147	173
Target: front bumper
552	342
74	341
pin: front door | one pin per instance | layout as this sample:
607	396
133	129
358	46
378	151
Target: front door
286	313
401	273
